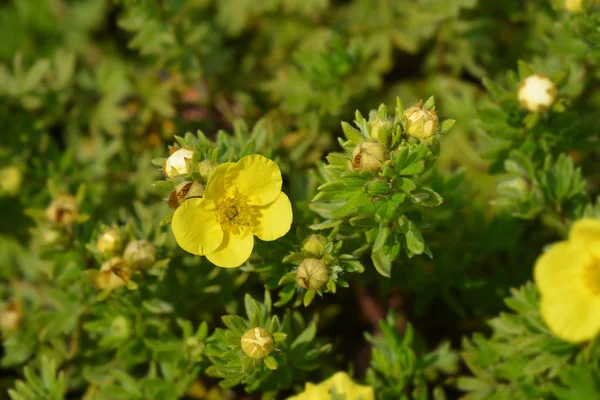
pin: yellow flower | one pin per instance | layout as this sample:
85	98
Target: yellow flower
240	200
568	277
340	385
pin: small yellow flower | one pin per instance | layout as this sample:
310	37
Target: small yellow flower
339	385
568	277
240	200
574	6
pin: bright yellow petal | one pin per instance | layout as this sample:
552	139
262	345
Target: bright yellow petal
274	220
558	267
343	385
585	233
196	228
216	185
234	250
573	317
257	177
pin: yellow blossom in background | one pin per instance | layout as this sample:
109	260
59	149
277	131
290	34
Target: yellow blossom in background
568	277
339	385
241	200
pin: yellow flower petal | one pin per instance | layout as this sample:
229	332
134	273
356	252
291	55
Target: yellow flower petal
215	187
196	228
586	233
234	250
341	384
557	268
275	219
574	317
257	177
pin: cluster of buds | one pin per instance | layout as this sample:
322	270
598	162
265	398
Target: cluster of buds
312	273
117	271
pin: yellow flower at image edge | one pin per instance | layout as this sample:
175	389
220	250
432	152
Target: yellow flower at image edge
241	200
340	385
568	277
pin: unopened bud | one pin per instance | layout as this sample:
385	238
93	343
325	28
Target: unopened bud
314	246
205	168
177	163
537	93
184	191
140	254
63	210
110	241
113	274
312	274
10	317
380	129
10	180
421	122
257	343
368	156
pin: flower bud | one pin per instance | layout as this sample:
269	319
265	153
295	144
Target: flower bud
63	210
537	93
421	122
206	168
110	241
314	246
177	163
257	343
140	254
380	129
312	274
184	191
10	180
10	317
368	156
113	274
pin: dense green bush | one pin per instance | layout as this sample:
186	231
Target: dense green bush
420	262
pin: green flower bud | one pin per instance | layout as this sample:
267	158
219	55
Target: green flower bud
421	122
206	168
257	343
140	254
368	156
312	274
63	210
380	130
110	241
537	93
314	246
177	163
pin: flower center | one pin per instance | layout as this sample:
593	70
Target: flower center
591	276
234	213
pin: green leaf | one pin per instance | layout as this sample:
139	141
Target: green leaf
414	239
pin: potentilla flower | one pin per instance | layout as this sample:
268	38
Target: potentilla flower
537	93
240	200
339	386
574	6
568	277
